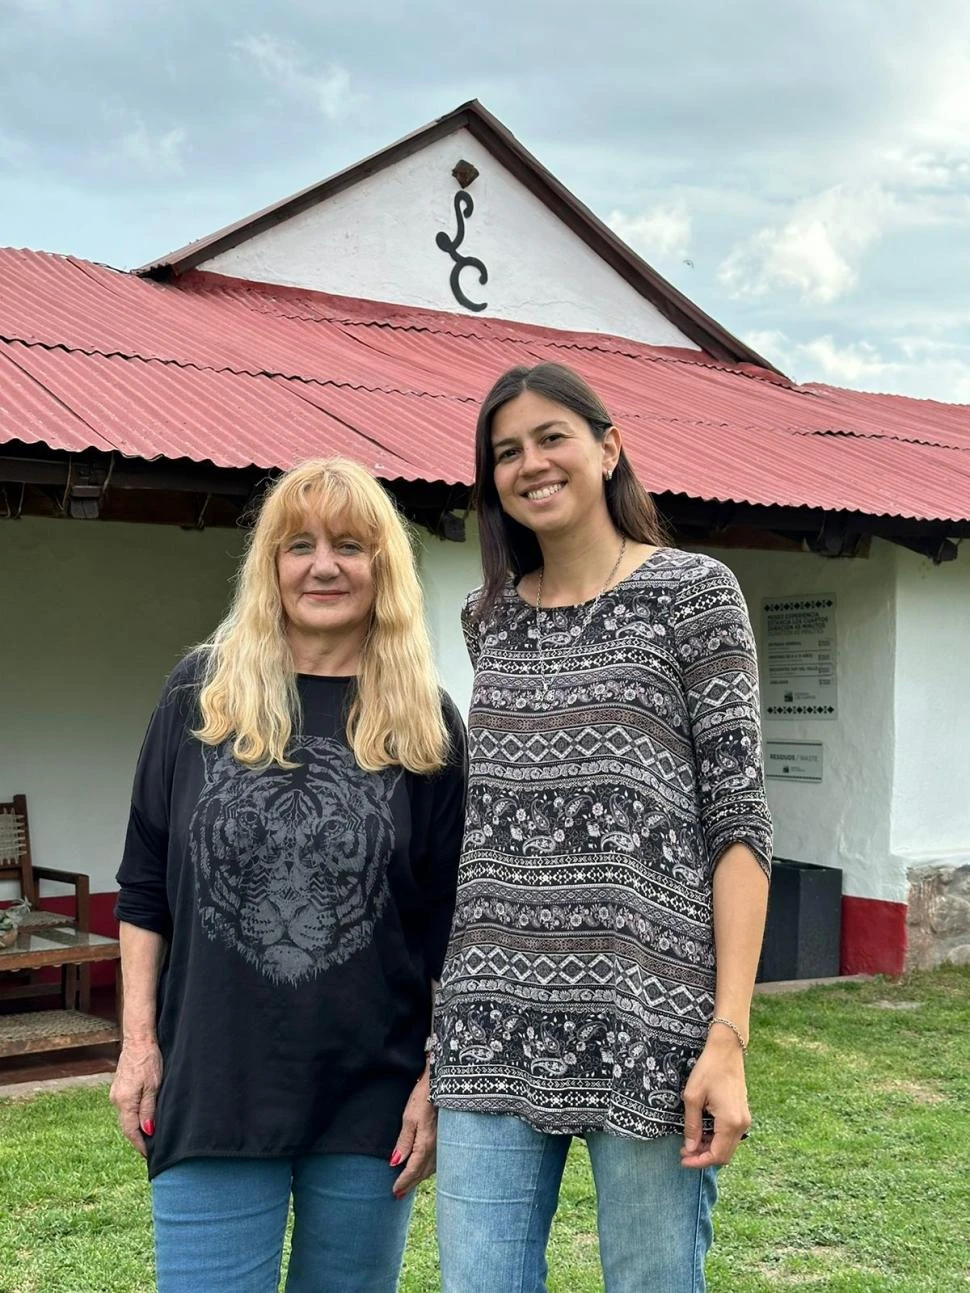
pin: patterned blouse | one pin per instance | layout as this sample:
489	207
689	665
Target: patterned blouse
579	980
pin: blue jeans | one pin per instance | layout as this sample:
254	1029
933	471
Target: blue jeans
498	1187
220	1222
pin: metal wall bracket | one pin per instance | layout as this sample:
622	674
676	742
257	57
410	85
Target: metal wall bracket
85	488
836	539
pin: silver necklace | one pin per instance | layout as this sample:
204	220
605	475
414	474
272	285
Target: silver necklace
577	631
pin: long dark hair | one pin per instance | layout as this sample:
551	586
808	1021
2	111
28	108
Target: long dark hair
507	546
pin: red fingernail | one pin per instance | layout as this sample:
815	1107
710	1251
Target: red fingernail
395	1158
148	1127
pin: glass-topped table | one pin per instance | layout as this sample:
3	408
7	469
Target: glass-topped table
44	1030
57	945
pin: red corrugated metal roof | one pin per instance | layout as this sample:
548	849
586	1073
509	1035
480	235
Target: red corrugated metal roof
242	374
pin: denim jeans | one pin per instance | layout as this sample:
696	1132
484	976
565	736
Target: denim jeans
498	1187
220	1222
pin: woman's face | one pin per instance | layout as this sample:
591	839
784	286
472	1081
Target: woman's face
549	467
326	582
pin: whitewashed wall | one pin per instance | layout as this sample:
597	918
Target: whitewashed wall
377	241
449	571
844	821
931	807
94	616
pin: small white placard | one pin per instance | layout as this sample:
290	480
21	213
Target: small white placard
793	760
798	665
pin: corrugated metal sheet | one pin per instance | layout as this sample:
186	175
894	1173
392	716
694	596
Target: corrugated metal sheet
241	374
164	411
897	417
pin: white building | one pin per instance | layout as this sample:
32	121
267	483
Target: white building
366	316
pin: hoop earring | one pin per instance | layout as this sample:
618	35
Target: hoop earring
609	475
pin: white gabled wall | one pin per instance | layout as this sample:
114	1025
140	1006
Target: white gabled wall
377	240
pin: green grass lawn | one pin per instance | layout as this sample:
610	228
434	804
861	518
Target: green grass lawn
856	1177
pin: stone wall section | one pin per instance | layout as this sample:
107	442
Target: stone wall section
938	919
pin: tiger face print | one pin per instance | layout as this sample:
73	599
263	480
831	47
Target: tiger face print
291	866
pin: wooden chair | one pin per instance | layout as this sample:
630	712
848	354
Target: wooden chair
16	864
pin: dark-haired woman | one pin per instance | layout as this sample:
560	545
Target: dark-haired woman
613	881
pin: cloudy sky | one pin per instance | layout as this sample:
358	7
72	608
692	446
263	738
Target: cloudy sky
800	168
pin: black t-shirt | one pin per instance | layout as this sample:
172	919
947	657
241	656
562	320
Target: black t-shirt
306	912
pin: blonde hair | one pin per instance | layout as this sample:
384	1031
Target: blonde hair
249	687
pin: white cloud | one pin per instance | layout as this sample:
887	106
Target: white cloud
923	168
282	66
923	367
943	122
925	124
853	364
662	231
153	151
816	251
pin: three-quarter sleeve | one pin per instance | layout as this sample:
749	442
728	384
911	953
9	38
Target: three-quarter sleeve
716	652
142	875
445	826
472	627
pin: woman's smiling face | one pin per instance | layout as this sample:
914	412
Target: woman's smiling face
549	467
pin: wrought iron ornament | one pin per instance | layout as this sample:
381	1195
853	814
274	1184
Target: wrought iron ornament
464	206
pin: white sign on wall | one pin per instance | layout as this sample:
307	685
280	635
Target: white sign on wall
798	665
793	760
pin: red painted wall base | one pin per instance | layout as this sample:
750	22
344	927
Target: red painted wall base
873	936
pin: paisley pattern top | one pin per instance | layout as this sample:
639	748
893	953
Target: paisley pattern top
579	979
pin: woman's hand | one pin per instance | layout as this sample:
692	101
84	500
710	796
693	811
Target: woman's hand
416	1144
716	1085
135	1088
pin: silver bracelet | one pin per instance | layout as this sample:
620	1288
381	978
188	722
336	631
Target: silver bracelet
719	1019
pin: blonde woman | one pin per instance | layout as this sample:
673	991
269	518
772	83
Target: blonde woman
286	893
